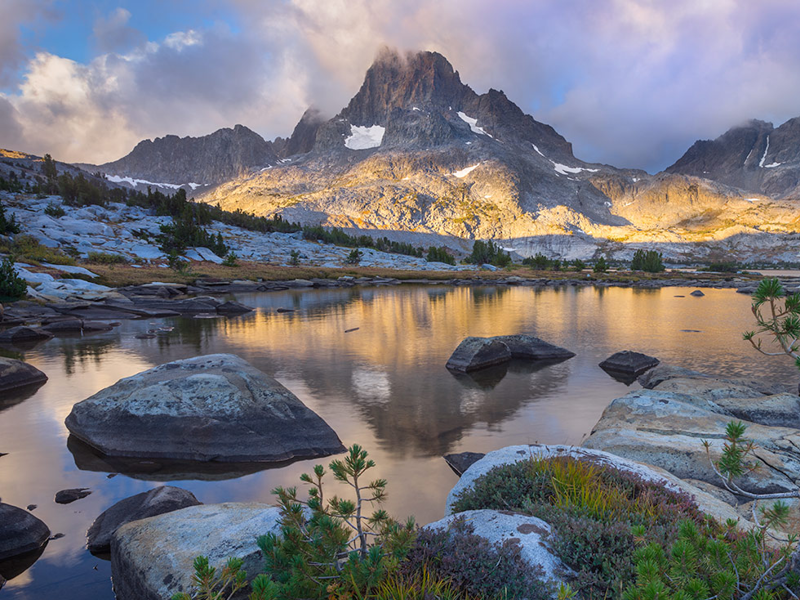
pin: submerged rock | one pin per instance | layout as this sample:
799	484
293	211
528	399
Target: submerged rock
233	308
16	374
476	353
629	363
158	501
209	408
71	495
20	532
151	559
697	294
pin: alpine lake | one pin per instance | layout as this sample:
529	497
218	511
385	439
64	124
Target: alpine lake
371	362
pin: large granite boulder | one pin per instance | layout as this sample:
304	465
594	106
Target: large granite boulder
629	363
20	532
666	429
525	531
533	348
22	335
208	408
476	353
16	374
732	387
158	501
151	559
79	326
779	410
513	454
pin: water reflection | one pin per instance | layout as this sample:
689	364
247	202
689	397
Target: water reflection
384	386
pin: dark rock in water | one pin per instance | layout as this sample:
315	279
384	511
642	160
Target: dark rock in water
697	294
476	353
233	308
629	363
462	461
285	310
23	334
208	408
157	501
16	374
71	495
32	507
77	326
20	532
57	536
145	336
527	346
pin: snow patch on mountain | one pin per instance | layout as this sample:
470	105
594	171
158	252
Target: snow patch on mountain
473	123
773	165
764	157
564	169
464	172
364	138
135	182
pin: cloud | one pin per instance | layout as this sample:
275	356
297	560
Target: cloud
13	15
629	82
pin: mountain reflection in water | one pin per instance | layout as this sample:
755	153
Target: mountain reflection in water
383	385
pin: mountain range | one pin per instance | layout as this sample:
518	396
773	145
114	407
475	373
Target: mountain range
418	156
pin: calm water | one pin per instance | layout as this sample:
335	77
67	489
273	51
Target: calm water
383	386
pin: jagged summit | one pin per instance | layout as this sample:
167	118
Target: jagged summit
754	156
205	160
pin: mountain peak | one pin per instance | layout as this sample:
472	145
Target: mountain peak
414	79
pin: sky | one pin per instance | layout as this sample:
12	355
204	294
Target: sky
632	83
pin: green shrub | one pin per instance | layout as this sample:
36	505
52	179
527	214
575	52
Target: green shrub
649	261
29	247
600	265
12	286
354	257
294	258
475	565
723	267
578	265
421	585
230	260
591	509
488	253
54	210
437	254
106	258
539	262
7	225
781	321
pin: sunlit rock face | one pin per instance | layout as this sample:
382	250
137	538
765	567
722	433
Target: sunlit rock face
450	164
210	408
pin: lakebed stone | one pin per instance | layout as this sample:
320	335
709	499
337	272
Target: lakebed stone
476	353
20	532
158	501
151	559
16	374
209	408
71	495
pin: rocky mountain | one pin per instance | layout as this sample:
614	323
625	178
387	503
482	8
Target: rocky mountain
418	156
172	161
755	157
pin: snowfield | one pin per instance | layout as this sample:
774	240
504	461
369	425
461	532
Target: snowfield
473	123
364	138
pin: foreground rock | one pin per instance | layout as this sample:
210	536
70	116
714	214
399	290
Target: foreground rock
158	501
523	530
477	353
22	335
513	454
16	374
665	427
629	363
151	559
79	326
20	532
209	408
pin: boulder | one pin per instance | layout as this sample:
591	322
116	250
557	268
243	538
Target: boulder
666	429
533	348
512	454
76	326
462	461
697	294
158	501
16	374
629	363
525	531
151	559
476	353
71	495
20	532
233	308
779	410
22	334
746	387
208	408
